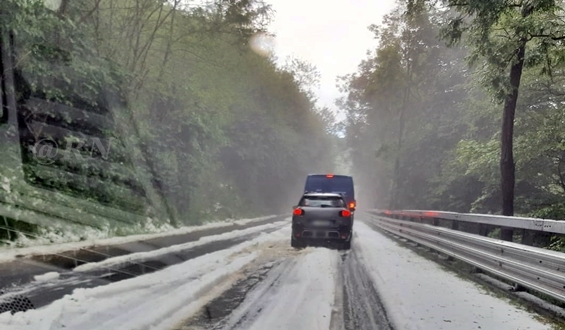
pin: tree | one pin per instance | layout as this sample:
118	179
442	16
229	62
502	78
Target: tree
218	130
499	32
306	75
393	93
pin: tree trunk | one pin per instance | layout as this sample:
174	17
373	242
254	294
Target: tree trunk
507	166
394	203
507	169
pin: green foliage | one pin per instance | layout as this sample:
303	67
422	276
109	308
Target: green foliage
494	30
557	244
450	154
404	110
214	128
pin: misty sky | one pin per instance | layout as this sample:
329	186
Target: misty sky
331	34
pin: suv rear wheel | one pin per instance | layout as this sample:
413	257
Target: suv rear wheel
296	243
347	244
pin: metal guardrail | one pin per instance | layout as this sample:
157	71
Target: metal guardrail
550	226
534	268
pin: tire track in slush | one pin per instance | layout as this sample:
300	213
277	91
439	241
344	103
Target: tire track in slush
295	291
215	314
362	308
256	279
253	304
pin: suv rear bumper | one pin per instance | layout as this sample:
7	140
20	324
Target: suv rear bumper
342	233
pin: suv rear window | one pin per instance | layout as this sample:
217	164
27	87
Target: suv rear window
334	184
322	201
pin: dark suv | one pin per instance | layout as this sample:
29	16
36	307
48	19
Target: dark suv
333	183
322	217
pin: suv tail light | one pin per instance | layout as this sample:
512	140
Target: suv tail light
298	211
352	205
345	213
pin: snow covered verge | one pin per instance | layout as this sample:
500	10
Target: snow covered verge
42	246
418	294
175	248
158	300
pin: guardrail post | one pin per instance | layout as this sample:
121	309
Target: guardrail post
483	230
454	225
507	234
527	237
538	238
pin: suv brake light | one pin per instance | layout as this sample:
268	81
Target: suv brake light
298	211
345	213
